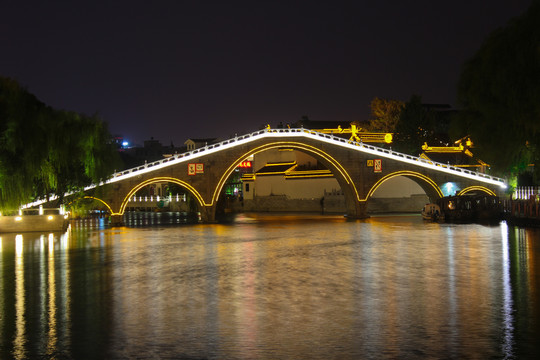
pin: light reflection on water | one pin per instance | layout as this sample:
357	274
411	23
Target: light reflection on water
272	286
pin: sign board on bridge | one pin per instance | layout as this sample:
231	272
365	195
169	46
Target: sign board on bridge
194	169
377	165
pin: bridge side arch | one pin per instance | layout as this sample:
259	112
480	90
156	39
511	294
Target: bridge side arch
336	168
431	188
93	198
154	180
476	188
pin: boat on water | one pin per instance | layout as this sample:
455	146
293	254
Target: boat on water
31	220
470	208
432	212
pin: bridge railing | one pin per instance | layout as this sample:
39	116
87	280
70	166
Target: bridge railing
388	152
353	145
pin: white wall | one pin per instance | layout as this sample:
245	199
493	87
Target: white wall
397	187
294	189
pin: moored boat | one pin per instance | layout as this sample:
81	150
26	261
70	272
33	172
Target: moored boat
432	212
470	208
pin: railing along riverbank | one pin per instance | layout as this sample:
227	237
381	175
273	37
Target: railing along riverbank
521	211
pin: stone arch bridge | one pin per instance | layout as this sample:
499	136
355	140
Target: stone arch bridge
359	169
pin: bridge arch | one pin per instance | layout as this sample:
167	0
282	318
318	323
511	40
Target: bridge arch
431	188
158	179
476	188
92	198
101	201
341	175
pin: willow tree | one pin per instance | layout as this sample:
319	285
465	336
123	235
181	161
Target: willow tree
44	151
499	89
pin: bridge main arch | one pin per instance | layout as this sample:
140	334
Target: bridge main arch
352	196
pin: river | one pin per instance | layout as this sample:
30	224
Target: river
272	286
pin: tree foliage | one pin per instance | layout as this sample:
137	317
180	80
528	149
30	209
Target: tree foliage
416	124
499	89
44	151
385	114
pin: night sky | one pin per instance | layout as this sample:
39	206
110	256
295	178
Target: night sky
175	70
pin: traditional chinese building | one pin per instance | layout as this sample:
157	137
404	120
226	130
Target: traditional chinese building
459	155
290	180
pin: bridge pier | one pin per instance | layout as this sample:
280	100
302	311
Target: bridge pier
117	220
359	211
208	214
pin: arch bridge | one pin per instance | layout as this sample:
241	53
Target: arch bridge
359	169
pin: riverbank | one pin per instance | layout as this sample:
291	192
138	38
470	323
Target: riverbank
50	220
523	213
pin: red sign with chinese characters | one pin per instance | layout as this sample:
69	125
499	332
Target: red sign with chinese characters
377	165
195	168
245	164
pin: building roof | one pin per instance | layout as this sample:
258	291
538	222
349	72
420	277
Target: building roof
199	141
460	155
454	159
275	168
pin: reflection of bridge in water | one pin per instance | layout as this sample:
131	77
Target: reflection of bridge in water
359	169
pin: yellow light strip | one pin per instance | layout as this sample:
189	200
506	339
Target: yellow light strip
307	176
311	171
362	136
248	177
291	163
473	188
271	173
458	148
103	202
296	145
190	188
304	174
93	198
406	174
277	172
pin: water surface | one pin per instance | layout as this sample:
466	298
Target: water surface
272	286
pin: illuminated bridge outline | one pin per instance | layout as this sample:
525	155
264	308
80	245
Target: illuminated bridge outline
328	138
331	139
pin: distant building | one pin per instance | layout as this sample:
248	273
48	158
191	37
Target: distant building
192	144
120	142
152	150
354	131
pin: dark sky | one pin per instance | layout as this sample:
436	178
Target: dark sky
175	70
